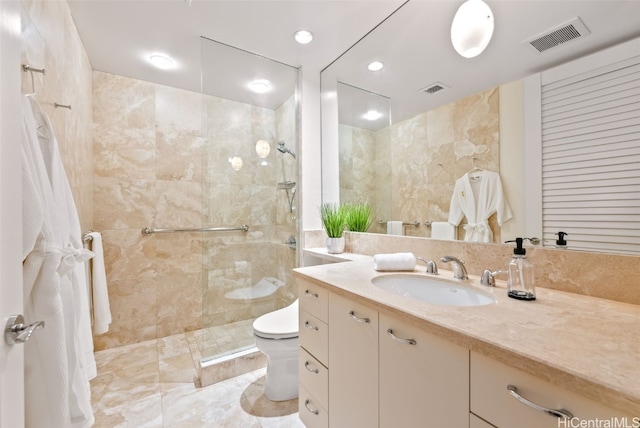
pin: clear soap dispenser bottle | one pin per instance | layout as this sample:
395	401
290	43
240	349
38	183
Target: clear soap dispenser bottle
521	274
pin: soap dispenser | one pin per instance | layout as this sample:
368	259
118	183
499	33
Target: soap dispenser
521	274
561	242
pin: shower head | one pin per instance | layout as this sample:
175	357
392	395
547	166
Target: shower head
283	149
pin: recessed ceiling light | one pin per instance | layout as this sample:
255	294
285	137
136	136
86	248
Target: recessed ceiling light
260	86
372	115
161	61
303	36
375	66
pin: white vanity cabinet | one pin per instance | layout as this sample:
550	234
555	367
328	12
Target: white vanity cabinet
353	359
492	401
424	380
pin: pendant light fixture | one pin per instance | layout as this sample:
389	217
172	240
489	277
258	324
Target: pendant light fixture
472	28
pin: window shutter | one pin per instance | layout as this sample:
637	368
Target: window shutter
591	158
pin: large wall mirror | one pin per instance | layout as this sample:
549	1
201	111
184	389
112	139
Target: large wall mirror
400	137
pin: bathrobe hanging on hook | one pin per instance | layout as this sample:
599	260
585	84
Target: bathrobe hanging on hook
477	196
59	362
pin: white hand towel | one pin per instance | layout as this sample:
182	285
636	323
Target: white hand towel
101	308
395	228
443	230
394	262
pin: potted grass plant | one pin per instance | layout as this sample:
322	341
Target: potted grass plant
334	219
359	217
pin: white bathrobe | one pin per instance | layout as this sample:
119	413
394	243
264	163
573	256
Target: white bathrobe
57	366
477	197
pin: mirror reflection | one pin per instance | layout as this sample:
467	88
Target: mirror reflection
446	114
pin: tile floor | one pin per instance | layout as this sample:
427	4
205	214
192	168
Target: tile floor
151	384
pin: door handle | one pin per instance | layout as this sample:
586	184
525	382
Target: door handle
15	331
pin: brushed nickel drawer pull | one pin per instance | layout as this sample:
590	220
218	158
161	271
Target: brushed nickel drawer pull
306	404
309	326
558	413
310	294
309	368
400	339
353	315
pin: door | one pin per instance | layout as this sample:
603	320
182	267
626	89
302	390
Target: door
353	364
11	357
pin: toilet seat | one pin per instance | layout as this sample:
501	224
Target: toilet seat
280	324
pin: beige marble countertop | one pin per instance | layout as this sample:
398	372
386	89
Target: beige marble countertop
586	345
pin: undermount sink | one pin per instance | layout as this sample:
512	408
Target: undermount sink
431	290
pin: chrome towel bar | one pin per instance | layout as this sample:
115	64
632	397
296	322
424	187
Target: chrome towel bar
148	231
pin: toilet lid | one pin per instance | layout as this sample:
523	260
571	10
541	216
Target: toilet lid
280	324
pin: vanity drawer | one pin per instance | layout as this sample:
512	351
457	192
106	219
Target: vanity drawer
314	336
311	413
491	400
314	377
313	299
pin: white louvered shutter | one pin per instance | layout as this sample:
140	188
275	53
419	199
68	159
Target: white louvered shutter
591	158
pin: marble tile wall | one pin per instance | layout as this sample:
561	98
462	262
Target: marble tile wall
162	160
51	41
408	170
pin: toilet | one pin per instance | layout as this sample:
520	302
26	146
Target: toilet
276	335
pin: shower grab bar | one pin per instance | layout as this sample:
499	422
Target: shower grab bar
148	231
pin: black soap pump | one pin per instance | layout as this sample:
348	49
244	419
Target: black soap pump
521	274
560	242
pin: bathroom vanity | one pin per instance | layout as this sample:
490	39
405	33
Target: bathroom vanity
371	358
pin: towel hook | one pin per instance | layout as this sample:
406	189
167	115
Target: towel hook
31	70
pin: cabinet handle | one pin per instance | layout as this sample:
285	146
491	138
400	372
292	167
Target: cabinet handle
309	368
306	404
309	326
400	339
558	413
310	294
353	315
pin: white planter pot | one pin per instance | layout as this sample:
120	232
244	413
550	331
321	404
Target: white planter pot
335	245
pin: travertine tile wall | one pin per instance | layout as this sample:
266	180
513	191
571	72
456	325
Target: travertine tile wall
51	41
162	160
408	170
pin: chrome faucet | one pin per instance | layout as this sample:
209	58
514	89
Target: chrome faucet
488	278
431	266
459	271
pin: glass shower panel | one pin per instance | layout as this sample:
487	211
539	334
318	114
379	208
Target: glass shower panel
365	151
250	177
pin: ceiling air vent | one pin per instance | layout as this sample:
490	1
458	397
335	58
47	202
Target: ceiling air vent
434	87
559	35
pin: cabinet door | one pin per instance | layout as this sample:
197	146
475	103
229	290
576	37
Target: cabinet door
353	364
424	380
492	401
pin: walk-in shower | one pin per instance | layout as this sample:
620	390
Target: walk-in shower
245	275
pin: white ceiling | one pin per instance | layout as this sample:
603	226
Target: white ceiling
413	43
119	35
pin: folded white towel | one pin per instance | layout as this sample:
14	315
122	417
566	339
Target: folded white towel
443	230
100	296
395	227
394	262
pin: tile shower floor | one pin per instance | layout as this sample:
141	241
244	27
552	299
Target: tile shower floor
151	384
